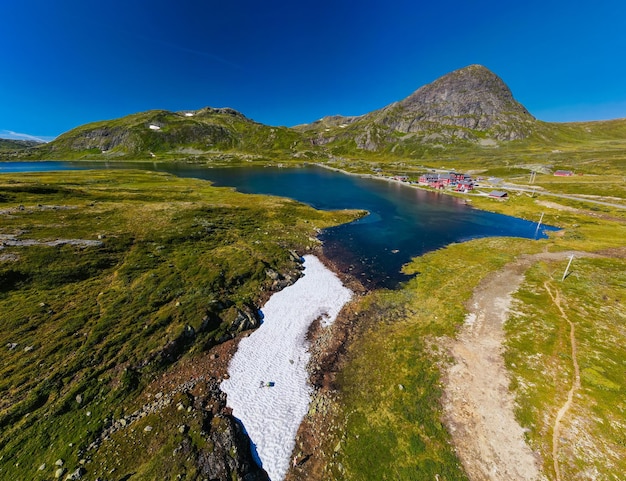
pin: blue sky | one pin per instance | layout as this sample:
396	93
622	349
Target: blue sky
68	62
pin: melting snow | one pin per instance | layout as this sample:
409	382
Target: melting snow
268	387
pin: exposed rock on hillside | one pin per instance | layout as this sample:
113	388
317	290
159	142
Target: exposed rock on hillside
471	98
470	104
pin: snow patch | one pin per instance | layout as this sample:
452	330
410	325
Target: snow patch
268	388
154	127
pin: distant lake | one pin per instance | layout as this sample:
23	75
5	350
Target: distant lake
404	222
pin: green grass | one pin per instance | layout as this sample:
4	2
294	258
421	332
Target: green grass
178	251
538	355
176	256
394	432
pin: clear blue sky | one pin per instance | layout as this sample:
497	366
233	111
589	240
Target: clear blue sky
68	62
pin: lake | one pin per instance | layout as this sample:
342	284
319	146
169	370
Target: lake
404	221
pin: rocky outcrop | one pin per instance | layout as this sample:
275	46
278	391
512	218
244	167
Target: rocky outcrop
471	104
230	457
472	98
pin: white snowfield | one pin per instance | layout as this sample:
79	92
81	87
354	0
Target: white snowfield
268	387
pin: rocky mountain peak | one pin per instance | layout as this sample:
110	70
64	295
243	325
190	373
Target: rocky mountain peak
472	98
471	104
468	91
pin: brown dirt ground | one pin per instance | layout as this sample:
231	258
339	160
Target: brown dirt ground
478	406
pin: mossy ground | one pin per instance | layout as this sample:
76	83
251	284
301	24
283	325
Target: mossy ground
539	356
86	328
151	222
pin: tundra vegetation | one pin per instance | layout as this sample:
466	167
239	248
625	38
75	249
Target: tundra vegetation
92	321
391	386
107	281
89	325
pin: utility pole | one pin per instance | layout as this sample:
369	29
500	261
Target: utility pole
571	258
539	224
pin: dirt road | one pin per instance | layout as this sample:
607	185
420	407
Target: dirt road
478	406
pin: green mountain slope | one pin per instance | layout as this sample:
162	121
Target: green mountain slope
468	111
13	144
161	133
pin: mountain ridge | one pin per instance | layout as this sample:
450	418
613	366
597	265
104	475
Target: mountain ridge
469	107
468	104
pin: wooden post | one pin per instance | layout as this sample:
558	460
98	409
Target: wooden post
571	258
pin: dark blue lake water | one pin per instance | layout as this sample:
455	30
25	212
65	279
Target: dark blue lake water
404	222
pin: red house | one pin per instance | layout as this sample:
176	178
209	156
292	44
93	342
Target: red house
464	185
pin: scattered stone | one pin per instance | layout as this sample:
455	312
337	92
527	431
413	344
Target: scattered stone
11	345
79	398
42	467
88	413
272	274
147	429
78	474
183	428
401	387
59	472
59	462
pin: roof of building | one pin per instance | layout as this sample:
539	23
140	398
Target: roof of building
497	193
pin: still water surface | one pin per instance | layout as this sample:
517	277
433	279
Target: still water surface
404	222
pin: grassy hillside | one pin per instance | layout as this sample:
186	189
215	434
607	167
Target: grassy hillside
12	145
108	281
181	135
587	308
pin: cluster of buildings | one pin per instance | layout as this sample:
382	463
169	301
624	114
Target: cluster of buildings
460	182
453	180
